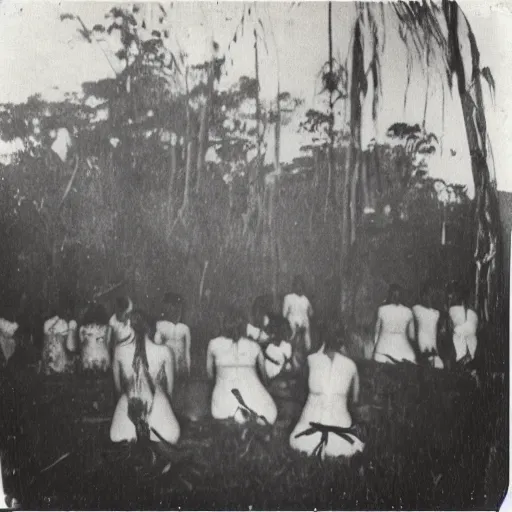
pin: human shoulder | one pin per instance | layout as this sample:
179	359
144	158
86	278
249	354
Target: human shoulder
158	350
217	342
164	325
253	345
348	364
182	328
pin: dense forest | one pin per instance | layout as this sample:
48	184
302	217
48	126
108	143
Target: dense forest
160	180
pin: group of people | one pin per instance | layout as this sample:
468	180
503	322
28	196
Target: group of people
241	362
147	357
442	335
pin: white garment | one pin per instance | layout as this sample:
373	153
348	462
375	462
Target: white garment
177	338
256	334
426	320
281	354
297	309
465	325
8	328
94	349
58	335
329	385
120	331
235	366
393	339
7	341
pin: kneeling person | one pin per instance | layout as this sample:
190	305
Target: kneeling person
325	424
94	339
143	378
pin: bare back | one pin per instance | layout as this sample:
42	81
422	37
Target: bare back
160	364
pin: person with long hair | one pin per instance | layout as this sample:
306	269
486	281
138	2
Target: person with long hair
325	426
260	311
426	317
232	361
120	329
170	331
394	330
298	311
464	324
93	335
278	351
143	378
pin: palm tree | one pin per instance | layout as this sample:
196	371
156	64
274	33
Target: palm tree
439	32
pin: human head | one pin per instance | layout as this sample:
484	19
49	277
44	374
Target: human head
395	294
123	308
95	314
142	325
233	324
278	328
298	285
426	295
174	303
457	295
333	336
260	309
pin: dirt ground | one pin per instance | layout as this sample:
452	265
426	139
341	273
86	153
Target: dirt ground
431	438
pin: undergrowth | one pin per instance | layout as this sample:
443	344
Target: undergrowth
428	436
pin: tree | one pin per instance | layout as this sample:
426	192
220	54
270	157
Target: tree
423	28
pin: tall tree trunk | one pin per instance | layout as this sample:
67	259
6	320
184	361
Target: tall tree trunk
357	86
188	166
487	248
273	203
172	176
204	126
258	106
330	163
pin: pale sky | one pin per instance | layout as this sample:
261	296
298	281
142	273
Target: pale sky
41	54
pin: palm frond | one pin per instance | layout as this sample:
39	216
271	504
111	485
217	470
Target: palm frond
487	75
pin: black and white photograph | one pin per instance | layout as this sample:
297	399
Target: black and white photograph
255	255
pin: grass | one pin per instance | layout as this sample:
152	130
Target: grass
428	434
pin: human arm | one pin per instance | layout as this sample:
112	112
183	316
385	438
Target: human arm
210	362
355	387
187	349
411	329
286	306
158	338
169	371
260	363
378	328
310	310
116	371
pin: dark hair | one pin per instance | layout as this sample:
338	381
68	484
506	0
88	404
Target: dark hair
458	295
139	405
298	285
278	327
174	303
234	324
261	307
426	295
142	327
123	306
394	294
95	314
333	335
